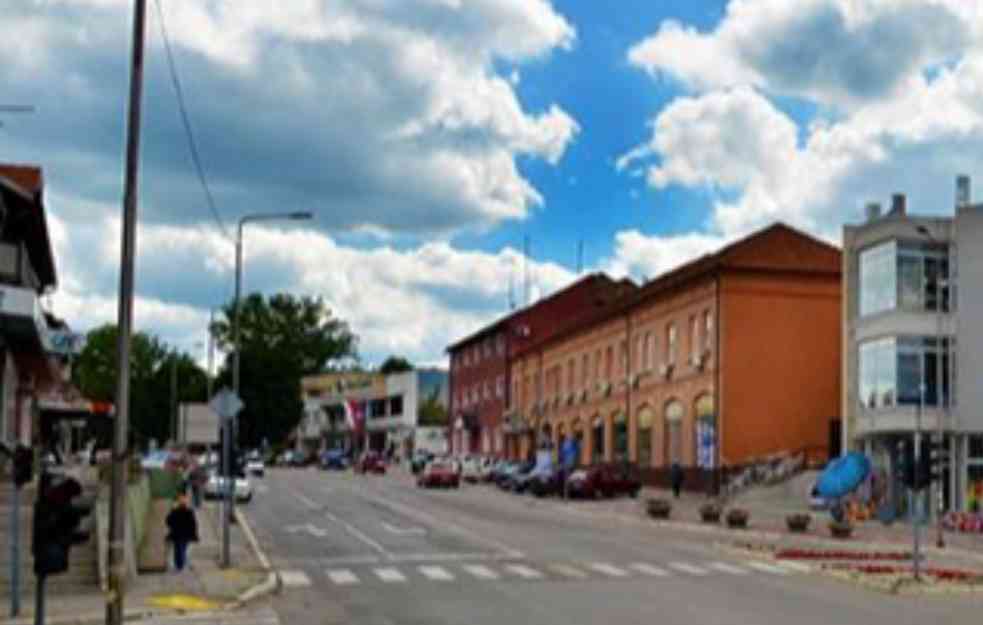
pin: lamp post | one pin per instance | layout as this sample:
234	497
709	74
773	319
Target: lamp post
940	283
228	426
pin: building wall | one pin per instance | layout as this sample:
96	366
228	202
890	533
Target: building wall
969	296
473	365
781	356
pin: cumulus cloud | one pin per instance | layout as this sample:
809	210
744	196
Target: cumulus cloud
386	114
911	128
837	52
646	256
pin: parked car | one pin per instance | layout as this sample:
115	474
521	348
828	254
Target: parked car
371	462
471	469
605	480
522	480
420	460
334	460
504	475
485	474
498	470
255	466
519	475
547	483
216	485
439	473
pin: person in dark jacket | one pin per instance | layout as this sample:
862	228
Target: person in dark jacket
182	530
676	478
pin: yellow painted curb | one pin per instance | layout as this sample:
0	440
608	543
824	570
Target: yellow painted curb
187	603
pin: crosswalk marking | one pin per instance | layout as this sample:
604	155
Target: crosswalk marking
767	568
342	577
481	571
524	571
568	571
608	569
727	568
390	575
437	573
688	568
798	567
294	578
648	569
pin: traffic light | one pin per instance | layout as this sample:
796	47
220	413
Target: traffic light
932	462
56	525
23	466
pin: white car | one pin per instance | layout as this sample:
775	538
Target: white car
471	470
215	488
256	467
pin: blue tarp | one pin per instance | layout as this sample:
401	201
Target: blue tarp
843	475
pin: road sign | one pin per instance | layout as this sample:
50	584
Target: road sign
226	404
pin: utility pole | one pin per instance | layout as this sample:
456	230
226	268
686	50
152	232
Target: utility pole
117	509
174	420
211	354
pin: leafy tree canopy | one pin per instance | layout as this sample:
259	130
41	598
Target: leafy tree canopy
395	364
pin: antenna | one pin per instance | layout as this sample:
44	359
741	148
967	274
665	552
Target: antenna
525	267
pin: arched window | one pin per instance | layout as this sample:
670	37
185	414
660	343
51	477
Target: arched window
674	431
620	423
705	435
597	439
645	418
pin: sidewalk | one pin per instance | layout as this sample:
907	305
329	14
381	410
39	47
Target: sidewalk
204	586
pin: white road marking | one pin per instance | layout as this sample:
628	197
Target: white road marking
608	569
524	571
354	531
450	557
796	567
342	577
390	575
407	531
765	567
568	571
347	560
294	578
648	569
480	571
687	568
310	503
437	573
727	568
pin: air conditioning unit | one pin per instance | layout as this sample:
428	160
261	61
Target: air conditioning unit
584	394
665	369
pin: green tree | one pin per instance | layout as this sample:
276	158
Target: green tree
94	373
283	338
432	411
395	364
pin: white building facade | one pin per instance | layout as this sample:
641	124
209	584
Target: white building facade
913	345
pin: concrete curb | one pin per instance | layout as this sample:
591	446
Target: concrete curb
272	584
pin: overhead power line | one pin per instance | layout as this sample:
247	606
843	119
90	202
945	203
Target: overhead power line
182	107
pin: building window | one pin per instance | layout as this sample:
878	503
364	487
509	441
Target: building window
571	369
646	351
694	336
892	371
584	370
620	422
904	276
671	343
487	386
597	434
707	329
674	432
500	386
500	345
377	408
597	365
623	357
608	363
467	358
396	405
645	437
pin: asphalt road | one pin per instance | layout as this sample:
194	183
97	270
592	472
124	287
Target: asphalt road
368	550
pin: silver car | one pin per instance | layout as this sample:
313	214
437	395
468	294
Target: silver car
215	488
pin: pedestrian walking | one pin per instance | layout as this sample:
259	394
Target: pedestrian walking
676	478
182	530
198	479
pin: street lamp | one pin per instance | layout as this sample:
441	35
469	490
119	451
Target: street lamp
940	283
227	427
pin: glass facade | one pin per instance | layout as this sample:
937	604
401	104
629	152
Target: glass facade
904	276
892	370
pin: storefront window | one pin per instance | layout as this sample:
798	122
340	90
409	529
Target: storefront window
705	432
674	432
598	440
620	436
893	369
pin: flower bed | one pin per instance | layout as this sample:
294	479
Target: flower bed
947	575
837	554
966	522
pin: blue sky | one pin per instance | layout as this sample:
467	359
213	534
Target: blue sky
431	137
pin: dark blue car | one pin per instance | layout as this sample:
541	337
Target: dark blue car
334	459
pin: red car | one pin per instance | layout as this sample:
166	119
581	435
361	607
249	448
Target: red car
605	480
371	462
439	474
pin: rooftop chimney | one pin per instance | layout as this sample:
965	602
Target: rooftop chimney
873	211
963	191
898	204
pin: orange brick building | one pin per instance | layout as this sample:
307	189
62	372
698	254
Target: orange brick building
724	360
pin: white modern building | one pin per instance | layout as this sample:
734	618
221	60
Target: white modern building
389	406
913	343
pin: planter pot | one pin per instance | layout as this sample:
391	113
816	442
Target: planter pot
658	508
737	518
798	523
841	530
710	513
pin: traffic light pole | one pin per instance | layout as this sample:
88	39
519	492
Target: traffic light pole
39	600
915	521
15	552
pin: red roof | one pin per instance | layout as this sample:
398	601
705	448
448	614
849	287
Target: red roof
27	177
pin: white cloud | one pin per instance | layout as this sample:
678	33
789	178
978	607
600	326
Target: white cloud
647	256
838	52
